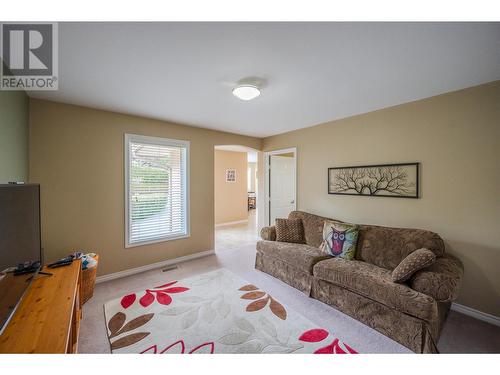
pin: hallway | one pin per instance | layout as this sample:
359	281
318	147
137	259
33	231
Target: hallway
226	237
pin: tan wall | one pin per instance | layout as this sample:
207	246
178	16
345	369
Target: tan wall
76	154
230	197
456	137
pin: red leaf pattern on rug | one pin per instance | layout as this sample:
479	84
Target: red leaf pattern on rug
151	350
314	335
165	285
147	299
178	289
211	345
128	300
162	295
335	348
182	348
319	334
350	350
329	349
163	298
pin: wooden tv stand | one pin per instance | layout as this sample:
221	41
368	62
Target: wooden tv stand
47	319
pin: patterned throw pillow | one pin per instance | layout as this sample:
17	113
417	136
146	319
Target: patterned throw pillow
340	239
289	230
415	261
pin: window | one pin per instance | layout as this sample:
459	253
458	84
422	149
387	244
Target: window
156	189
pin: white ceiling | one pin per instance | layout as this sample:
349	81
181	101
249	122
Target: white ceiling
312	72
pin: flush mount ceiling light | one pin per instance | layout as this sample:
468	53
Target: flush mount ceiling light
246	92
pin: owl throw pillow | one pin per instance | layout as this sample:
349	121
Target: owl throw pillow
340	239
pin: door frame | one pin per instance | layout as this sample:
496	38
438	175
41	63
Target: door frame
267	177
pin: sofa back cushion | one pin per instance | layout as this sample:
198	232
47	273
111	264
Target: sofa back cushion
313	226
386	247
382	246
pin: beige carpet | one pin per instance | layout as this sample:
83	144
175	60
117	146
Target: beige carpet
236	252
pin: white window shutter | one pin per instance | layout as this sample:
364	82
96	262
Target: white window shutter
156	189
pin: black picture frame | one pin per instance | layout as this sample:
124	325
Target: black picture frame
411	196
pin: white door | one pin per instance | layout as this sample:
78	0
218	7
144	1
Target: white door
282	186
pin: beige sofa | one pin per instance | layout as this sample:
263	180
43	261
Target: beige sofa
412	314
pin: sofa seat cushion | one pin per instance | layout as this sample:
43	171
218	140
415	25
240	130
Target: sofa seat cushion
376	284
301	256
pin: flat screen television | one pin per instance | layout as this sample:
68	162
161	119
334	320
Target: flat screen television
19	242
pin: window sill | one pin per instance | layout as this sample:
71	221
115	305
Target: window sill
165	239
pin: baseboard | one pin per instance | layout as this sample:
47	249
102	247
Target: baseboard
152	266
485	317
231	223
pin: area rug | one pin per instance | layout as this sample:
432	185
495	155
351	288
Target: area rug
215	312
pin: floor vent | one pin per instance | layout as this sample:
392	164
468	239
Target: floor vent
169	268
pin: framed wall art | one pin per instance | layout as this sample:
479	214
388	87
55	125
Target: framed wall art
230	175
386	180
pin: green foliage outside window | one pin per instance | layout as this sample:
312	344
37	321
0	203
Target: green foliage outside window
154	184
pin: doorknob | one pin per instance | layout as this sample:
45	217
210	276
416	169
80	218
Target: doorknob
292	202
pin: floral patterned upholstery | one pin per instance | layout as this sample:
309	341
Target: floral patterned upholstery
313	226
375	283
303	257
382	246
268	233
442	280
387	247
363	288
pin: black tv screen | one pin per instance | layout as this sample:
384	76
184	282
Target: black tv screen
19	242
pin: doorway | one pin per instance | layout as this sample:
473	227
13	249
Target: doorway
236	196
280	183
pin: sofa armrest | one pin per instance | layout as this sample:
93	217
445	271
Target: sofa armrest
441	280
268	233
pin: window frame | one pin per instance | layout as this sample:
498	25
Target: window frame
185	179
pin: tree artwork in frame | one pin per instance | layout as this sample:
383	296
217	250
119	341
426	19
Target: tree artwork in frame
386	180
